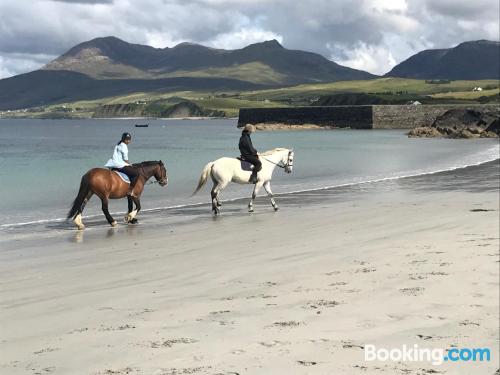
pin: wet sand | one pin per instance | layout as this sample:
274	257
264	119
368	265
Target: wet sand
300	291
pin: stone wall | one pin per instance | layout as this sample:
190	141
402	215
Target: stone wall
356	117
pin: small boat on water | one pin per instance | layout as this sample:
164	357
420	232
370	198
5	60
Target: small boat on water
141	125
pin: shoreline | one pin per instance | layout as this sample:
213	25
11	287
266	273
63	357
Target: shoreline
261	195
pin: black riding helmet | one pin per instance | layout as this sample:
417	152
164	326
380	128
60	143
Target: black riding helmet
126	136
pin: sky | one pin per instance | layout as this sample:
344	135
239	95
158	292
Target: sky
372	35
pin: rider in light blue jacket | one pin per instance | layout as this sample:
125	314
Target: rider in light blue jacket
119	161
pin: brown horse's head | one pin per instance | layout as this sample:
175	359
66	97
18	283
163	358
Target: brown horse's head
161	174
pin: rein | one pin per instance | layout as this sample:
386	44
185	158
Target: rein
272	162
276	164
143	174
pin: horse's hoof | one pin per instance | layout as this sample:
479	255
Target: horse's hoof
250	210
219	204
114	223
133	221
276	208
130	216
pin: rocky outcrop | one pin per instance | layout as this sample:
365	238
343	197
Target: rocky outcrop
462	123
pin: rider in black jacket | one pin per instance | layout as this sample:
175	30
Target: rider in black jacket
248	152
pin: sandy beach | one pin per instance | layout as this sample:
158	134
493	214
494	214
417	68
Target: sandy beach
300	291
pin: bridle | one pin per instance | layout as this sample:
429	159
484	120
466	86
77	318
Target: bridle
283	166
163	181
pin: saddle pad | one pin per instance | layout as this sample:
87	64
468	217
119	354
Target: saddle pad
123	176
245	165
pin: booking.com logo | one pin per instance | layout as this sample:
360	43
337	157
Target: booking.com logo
435	355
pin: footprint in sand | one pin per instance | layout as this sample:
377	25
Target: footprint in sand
219	312
307	363
270	283
351	345
78	330
332	273
119	328
238	351
123	371
425	337
270	344
46	350
468	323
45	370
338	283
171	342
287	324
412	291
186	370
365	270
416	261
321	303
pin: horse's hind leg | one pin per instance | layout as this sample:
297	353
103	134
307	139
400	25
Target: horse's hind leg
213	193
216	190
215	201
78	218
267	187
105	210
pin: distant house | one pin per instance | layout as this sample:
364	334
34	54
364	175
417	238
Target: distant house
416	102
477	89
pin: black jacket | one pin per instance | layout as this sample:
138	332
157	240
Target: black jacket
246	147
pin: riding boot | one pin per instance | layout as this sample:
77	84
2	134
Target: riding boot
253	177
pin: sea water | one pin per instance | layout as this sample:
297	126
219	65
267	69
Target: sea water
42	161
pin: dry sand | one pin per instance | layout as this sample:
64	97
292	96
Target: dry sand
300	291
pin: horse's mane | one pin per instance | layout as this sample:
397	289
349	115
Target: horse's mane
146	163
270	152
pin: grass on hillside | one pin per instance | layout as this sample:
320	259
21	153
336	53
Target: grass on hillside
394	89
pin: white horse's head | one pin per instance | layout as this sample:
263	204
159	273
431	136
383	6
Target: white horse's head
289	162
282	157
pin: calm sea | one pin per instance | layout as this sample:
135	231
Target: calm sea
42	161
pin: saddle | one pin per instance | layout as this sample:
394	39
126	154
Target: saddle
245	165
122	175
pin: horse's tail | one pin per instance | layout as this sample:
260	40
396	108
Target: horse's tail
204	177
82	194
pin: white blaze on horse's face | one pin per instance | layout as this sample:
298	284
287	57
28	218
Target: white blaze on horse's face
289	162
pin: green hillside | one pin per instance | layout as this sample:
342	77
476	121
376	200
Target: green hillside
228	103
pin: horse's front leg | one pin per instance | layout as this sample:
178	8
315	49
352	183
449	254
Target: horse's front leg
130	217
256	189
105	210
267	187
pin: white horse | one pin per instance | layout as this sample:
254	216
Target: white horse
226	170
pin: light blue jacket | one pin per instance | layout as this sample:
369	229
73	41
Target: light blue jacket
120	154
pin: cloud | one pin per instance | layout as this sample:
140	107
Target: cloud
84	1
367	34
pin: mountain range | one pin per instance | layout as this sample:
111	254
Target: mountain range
467	61
108	66
267	63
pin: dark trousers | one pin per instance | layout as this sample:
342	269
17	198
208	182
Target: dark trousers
254	159
131	172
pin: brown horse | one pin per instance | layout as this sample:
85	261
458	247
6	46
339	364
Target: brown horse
106	184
